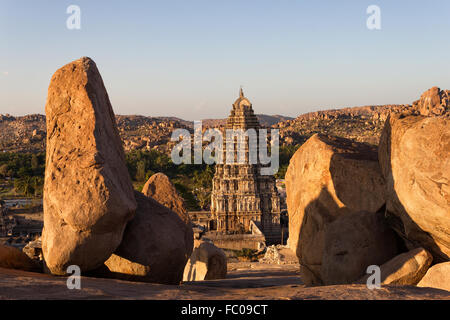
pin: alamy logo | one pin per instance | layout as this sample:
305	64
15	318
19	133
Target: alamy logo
374	280
73	22
241	147
74	280
374	20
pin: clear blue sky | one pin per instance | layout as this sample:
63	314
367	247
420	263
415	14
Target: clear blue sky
187	58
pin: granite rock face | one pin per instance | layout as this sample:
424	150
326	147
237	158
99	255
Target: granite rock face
414	155
156	245
438	276
327	178
88	194
354	242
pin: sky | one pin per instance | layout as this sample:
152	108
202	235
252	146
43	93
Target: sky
188	58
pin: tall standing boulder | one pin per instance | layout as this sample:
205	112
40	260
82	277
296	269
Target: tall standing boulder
414	154
88	194
328	177
160	188
156	245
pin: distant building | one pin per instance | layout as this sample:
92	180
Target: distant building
6	223
240	194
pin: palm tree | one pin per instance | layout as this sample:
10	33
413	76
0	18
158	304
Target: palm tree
25	185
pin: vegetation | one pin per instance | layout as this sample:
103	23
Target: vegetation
246	254
22	174
286	153
193	182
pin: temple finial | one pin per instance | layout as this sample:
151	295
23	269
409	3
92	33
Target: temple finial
241	92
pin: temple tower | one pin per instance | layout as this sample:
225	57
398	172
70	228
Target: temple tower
240	193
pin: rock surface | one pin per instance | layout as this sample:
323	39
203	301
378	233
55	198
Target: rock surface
405	269
13	258
326	178
414	155
352	243
434	102
33	249
156	245
207	262
272	255
88	194
262	285
438	276
160	188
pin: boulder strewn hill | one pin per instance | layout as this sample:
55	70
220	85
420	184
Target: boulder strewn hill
362	124
28	133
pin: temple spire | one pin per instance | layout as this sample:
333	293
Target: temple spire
241	93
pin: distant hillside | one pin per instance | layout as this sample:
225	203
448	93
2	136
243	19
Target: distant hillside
364	124
264	119
28	133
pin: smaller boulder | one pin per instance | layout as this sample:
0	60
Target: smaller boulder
272	256
160	188
438	276
34	250
207	262
156	245
405	269
13	258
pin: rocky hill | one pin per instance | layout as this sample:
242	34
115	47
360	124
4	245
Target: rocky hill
22	134
363	124
264	119
27	133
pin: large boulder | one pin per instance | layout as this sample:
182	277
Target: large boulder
156	245
88	194
12	258
207	262
160	188
405	269
433	102
352	243
414	155
326	178
438	276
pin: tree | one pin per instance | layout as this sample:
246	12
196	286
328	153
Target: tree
203	186
25	185
140	171
34	162
38	185
4	170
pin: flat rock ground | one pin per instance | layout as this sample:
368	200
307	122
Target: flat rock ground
245	280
